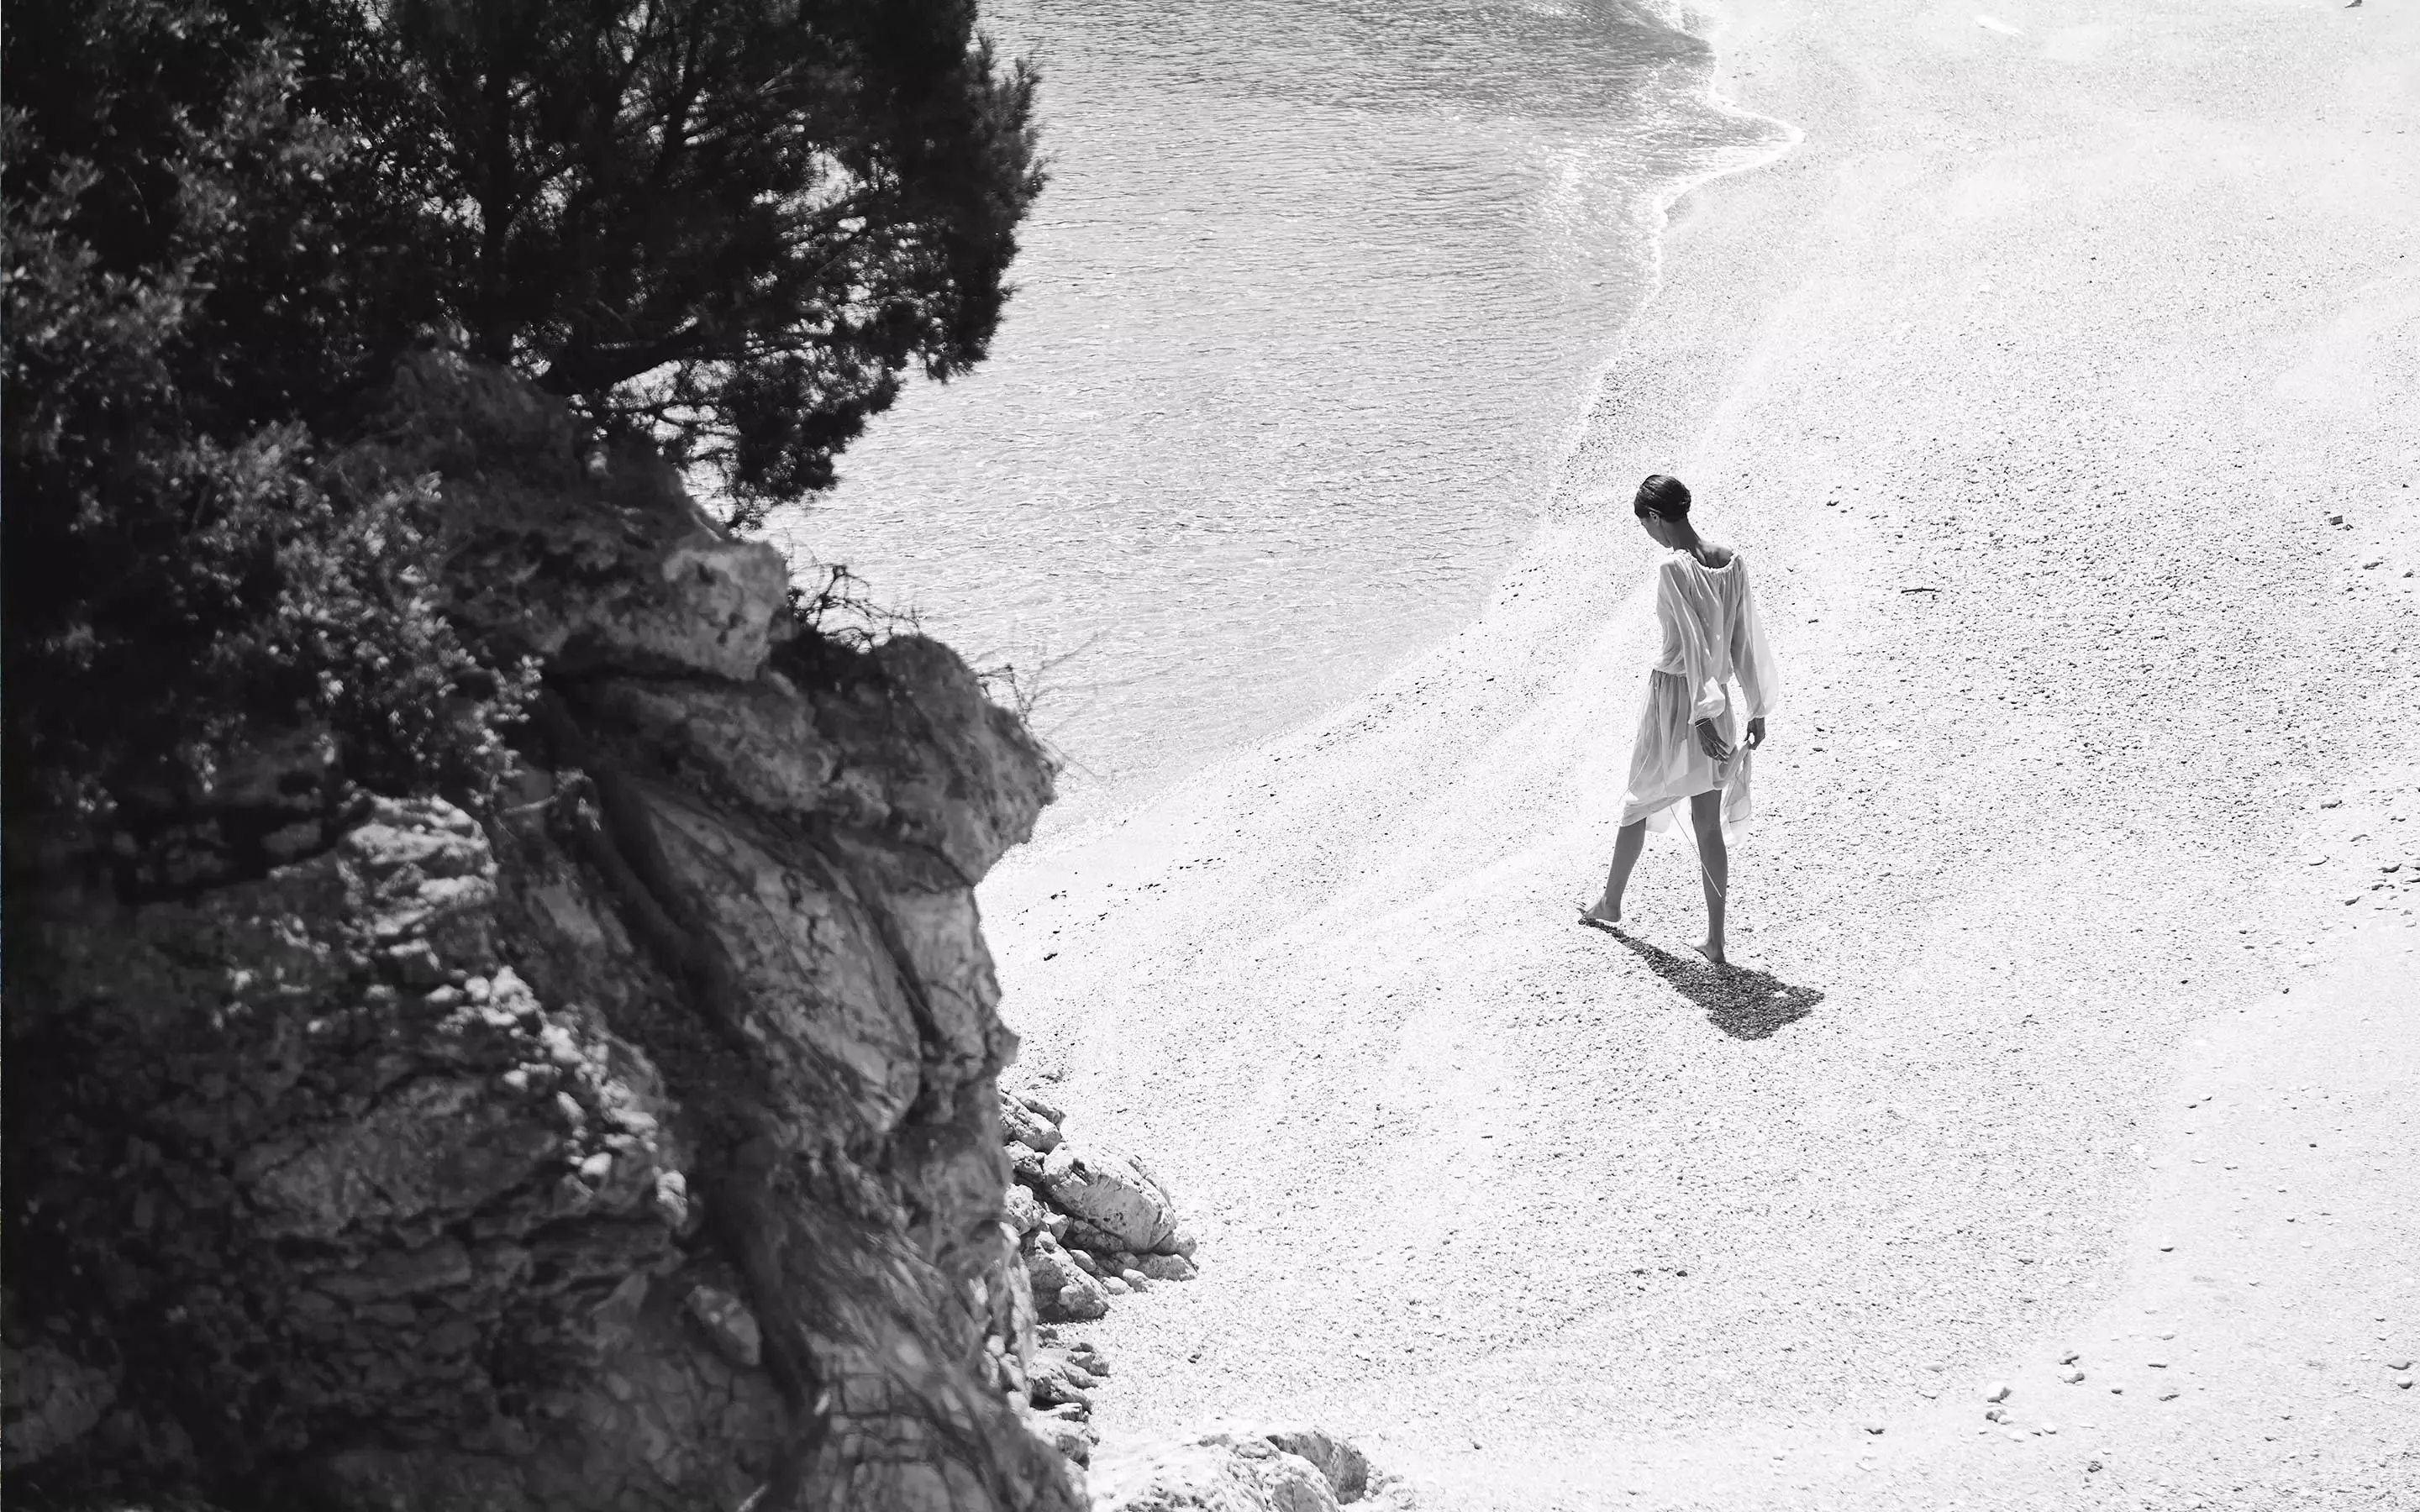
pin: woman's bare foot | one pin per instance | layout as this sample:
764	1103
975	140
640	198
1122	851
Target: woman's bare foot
1712	951
1603	911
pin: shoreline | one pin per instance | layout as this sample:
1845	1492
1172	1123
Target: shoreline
1504	1203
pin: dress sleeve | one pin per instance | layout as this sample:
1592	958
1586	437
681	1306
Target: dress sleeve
1686	626
1751	654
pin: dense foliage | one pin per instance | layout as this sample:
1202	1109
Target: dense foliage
729	226
188	577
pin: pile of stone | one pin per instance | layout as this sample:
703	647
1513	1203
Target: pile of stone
1084	1223
1091	1222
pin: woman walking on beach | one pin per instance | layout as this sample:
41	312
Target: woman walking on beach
1684	748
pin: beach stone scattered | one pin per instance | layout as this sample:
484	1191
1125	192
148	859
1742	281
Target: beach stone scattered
1998	1392
2403	1363
1115	1286
2070	1374
2404	1381
1874	1425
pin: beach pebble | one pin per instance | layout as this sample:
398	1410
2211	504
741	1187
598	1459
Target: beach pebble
2069	1356
1998	1392
2404	1381
2049	1427
1114	1286
1996	1414
2013	1435
1135	1279
2070	1374
2404	1364
1874	1424
2168	1396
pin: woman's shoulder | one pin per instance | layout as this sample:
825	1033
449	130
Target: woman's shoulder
1718	558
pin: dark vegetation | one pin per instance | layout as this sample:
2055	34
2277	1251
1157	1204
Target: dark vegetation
728	227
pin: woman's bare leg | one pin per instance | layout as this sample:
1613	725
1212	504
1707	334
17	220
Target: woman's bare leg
1715	860
1627	844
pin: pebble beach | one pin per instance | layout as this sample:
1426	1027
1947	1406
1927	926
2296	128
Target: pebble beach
2061	384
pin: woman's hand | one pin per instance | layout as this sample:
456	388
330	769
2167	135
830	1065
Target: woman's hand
1710	740
1756	732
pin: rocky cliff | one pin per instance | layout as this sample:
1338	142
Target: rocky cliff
633	1146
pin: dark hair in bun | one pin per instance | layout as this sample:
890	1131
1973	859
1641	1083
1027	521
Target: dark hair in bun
1660	495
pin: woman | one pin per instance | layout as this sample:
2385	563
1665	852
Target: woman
1684	750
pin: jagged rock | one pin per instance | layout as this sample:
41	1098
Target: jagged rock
1023	1209
1079	1234
1109	1190
1233	1469
382	1177
1040	1104
728	1323
1167	1267
1057	1380
1063	1290
1026	1127
1071	1436
1346	1468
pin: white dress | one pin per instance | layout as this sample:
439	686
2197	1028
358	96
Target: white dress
1711	635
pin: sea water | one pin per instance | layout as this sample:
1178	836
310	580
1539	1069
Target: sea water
1304	324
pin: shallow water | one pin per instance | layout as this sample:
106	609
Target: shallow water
1304	324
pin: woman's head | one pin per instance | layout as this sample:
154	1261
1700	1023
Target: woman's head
1663	502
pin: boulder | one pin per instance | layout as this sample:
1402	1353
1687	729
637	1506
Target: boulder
1109	1190
1233	1469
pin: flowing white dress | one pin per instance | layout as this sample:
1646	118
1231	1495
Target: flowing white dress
1712	636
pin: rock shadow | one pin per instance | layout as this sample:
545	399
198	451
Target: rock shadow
1742	1003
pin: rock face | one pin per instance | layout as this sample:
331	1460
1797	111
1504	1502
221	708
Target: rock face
633	1147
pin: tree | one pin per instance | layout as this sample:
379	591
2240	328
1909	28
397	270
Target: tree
730	227
189	293
730	224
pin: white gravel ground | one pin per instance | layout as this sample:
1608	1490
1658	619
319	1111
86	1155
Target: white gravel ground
2083	321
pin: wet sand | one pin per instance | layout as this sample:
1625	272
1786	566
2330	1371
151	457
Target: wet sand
2062	388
